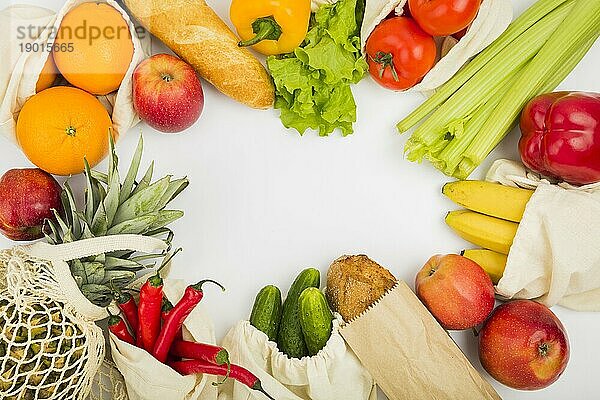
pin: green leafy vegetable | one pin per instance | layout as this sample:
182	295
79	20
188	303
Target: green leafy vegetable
313	83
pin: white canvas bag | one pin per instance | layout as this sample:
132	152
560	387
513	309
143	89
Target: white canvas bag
148	379
334	373
555	257
493	18
20	70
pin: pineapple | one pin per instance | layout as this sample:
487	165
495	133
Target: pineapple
113	207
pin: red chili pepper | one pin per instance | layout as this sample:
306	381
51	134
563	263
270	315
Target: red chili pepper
240	374
192	296
200	351
167	306
149	308
118	327
151	295
126	304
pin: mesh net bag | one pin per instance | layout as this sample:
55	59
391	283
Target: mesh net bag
108	383
50	345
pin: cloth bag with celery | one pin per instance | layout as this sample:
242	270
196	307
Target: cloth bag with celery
470	114
52	294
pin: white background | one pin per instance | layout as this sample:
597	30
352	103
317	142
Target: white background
264	203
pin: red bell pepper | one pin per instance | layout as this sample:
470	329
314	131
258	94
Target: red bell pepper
561	136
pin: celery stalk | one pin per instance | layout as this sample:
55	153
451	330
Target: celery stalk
451	157
486	81
467	166
574	32
525	21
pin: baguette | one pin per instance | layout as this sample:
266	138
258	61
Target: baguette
196	34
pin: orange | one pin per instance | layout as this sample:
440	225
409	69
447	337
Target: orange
93	48
48	75
60	126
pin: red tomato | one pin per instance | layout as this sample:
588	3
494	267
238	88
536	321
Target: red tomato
444	17
400	53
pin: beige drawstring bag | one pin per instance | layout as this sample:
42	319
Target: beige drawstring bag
555	257
493	18
20	70
51	346
334	373
148	379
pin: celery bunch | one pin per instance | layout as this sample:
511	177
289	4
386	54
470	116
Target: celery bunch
470	114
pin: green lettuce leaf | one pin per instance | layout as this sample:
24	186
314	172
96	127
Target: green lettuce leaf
313	83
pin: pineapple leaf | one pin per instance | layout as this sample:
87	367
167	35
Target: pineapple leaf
100	222
111	202
118	278
175	187
71	210
55	231
137	225
67	235
122	264
90	201
87	231
78	271
132	172
101	295
165	217
113	160
143	202
99	176
145	182
94	271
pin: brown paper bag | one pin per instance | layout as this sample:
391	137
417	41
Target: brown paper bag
409	354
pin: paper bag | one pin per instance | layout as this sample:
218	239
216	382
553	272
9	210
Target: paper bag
555	257
410	355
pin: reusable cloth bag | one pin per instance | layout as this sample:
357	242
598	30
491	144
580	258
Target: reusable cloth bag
20	70
493	18
555	256
52	346
334	373
148	379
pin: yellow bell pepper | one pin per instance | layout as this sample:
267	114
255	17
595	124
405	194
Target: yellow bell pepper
271	26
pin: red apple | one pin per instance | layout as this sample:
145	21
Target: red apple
456	290
27	198
167	93
524	345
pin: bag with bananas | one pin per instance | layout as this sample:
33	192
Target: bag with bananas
538	239
50	346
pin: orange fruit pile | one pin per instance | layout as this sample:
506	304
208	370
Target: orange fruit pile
93	48
59	127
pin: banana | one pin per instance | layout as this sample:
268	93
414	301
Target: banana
482	230
492	263
488	198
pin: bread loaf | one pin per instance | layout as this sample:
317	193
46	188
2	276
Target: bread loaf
354	283
196	34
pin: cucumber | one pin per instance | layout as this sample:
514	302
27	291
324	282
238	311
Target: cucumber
266	312
316	319
290	338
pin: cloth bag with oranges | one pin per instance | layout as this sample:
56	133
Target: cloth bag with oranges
66	80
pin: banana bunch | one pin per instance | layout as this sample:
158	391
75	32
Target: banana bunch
490	220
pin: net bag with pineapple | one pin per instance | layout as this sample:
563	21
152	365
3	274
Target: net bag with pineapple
52	294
